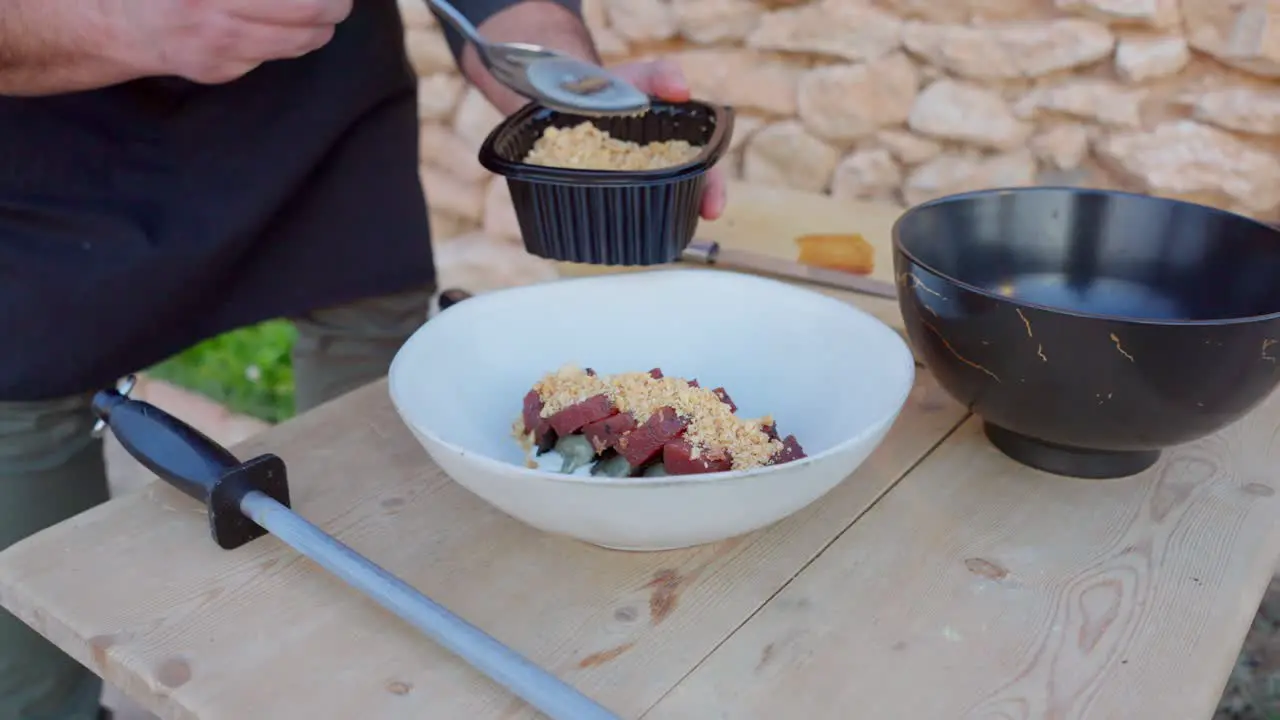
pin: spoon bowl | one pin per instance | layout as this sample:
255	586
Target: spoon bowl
550	78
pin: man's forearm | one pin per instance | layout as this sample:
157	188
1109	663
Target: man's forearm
55	46
532	21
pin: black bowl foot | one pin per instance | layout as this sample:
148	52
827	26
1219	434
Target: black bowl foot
1069	461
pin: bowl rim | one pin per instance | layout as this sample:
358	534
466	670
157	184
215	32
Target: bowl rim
897	342
1127	319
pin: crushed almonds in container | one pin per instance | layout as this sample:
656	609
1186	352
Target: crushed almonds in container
586	147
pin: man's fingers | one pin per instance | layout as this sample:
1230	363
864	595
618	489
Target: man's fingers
300	13
238	40
668	81
661	78
230	48
715	196
665	80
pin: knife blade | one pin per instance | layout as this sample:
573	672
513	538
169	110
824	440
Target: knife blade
709	252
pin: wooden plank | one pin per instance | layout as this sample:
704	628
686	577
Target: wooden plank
980	589
767	220
136	589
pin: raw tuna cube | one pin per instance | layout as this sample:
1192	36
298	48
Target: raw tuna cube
532	411
656	374
771	430
791	450
724	398
605	433
644	443
694	383
571	419
678	459
543	435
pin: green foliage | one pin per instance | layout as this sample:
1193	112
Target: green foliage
248	370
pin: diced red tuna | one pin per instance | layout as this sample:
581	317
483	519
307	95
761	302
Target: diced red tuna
771	430
694	383
605	433
678	459
532	411
791	450
724	398
644	443
571	419
534	422
656	373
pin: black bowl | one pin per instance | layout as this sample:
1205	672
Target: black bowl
1091	329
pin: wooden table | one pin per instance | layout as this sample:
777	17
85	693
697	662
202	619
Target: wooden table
941	580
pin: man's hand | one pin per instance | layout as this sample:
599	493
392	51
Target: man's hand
551	25
664	80
216	41
56	46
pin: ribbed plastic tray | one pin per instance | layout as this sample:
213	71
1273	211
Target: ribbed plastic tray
606	217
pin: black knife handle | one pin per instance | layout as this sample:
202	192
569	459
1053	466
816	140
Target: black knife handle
193	463
181	455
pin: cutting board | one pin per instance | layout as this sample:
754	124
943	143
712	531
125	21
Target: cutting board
767	220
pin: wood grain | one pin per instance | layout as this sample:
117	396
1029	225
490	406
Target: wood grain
980	589
137	590
769	220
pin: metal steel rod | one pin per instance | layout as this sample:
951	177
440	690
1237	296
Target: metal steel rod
544	691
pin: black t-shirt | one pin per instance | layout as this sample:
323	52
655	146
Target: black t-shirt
139	219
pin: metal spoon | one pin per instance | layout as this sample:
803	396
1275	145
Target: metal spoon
553	79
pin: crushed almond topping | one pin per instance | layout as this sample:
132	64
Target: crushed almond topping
522	434
567	386
585	146
713	428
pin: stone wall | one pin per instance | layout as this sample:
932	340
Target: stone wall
906	100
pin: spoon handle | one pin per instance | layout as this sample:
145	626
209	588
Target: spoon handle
459	23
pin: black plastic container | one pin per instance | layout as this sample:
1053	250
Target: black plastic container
606	217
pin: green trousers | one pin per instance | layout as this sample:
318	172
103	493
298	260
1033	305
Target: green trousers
51	469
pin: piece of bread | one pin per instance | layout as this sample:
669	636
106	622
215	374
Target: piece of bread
849	253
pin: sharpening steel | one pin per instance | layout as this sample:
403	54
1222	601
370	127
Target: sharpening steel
246	500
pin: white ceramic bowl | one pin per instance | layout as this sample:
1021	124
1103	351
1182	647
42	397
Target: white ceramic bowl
830	374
